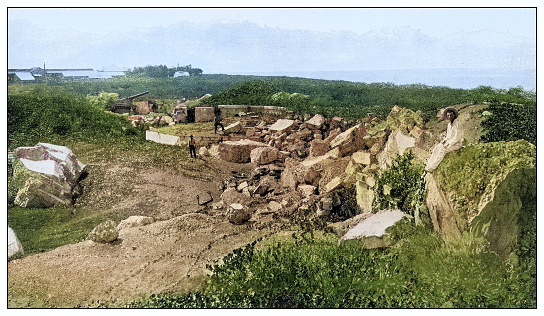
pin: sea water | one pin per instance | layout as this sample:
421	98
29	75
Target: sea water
498	78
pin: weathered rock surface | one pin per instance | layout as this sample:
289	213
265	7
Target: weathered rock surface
396	144
483	189
349	141
46	175
233	128
265	155
104	233
316	122
238	151
282	125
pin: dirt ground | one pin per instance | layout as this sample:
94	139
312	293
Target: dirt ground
169	255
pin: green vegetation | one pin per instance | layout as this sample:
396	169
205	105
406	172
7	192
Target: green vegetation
507	122
40	230
314	271
104	100
311	270
330	98
477	164
162	71
402	187
41	113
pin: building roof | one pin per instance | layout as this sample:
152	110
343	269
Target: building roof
24	75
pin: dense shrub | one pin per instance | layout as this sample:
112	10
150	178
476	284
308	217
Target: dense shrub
508	122
249	92
402	186
42	114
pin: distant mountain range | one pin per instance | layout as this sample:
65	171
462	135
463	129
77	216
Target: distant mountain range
247	47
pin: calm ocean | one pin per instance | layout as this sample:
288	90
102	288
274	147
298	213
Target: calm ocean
453	78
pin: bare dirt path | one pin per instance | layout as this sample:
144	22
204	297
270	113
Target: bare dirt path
169	255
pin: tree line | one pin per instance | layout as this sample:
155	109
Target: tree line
162	71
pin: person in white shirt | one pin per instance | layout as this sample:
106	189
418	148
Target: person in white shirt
453	141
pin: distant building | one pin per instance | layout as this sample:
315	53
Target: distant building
181	74
67	74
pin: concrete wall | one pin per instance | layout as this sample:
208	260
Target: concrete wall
204	114
162	138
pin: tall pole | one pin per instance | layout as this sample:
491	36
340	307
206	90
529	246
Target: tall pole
44	74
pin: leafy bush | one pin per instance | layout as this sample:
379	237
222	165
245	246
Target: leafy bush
509	122
402	187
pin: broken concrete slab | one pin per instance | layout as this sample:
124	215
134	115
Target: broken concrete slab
265	155
316	122
282	125
238	151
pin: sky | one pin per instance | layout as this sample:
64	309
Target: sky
451	37
433	21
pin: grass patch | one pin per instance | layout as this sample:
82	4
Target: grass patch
314	271
41	230
186	129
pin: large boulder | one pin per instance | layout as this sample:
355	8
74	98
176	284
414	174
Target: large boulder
484	190
308	171
238	214
233	128
238	151
45	175
396	145
318	147
104	233
231	195
404	120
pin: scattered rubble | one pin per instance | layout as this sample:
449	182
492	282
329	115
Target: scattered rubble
312	161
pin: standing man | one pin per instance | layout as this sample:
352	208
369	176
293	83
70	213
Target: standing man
217	121
192	148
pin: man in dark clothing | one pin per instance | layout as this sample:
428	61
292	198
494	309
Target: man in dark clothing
192	148
217	122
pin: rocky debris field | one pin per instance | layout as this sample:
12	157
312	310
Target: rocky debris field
284	173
